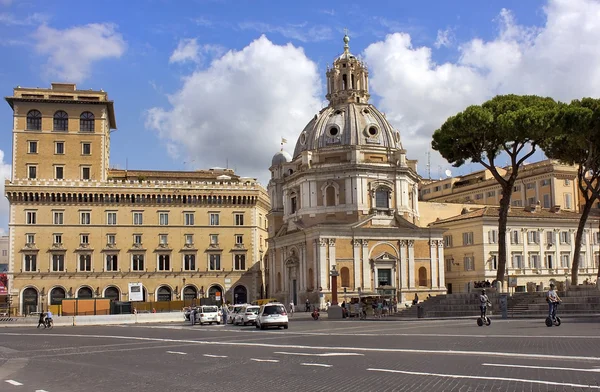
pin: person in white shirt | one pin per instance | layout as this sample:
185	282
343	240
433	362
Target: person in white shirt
292	308
553	300
483	303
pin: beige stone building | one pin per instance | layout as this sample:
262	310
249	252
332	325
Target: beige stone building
540	247
549	182
79	229
348	199
4	253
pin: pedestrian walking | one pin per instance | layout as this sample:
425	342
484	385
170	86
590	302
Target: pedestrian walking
292	308
193	316
307	305
224	314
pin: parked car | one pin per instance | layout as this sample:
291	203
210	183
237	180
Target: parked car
246	315
208	314
233	311
272	315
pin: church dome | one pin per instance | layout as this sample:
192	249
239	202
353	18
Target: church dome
348	124
349	120
281	157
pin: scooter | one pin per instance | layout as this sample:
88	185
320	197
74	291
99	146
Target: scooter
315	314
553	319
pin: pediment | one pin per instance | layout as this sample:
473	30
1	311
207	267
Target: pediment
385	256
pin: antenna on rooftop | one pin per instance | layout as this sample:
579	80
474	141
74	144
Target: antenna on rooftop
429	164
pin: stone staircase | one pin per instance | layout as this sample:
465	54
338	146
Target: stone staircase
577	300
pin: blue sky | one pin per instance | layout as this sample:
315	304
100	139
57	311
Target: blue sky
199	84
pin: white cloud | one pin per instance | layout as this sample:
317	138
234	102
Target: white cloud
444	38
239	107
5	173
189	50
559	59
72	51
300	32
6	2
9	19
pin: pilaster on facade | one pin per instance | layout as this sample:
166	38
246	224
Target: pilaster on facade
441	271
433	262
411	264
302	265
403	270
323	271
367	276
356	259
331	244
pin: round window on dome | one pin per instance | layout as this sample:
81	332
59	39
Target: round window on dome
366	111
333	131
303	139
397	137
372	131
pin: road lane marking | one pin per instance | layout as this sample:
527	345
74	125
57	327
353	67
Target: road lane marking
320	355
215	356
596	370
40	390
319	348
315	364
264	360
176	352
542	382
13	382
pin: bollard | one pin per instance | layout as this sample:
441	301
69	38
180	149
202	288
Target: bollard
504	305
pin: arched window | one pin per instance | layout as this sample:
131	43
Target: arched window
279	282
344	82
61	121
311	279
86	122
382	198
330	195
240	295
112	292
345	276
57	295
85	292
163	294
422	276
34	120
190	293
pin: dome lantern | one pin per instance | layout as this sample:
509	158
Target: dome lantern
348	79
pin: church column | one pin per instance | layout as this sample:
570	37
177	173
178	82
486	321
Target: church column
411	264
433	263
331	243
441	264
303	267
356	261
403	264
323	275
366	266
284	271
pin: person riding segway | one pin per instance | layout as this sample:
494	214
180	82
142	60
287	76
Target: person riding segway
553	300
484	302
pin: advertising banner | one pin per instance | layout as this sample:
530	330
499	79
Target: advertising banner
136	292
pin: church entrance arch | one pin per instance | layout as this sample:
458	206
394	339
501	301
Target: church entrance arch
292	264
240	294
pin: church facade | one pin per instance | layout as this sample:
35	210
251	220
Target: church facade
346	202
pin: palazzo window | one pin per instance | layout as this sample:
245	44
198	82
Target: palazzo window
111	239
31	217
189	239
214	262
86	122
240	262
163	218
189	262
85	218
112	263
32	172
214	219
58	217
85	262
30	263
138	218
239	219
61	121
33	147
111	218
164	262
58	262
188	218
137	262
34	120
59	172
59	148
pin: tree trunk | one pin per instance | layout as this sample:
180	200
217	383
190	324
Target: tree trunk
502	221
577	250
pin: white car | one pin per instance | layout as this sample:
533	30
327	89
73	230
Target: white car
272	315
247	315
233	311
208	314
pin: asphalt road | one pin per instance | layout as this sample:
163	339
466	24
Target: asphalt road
349	355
